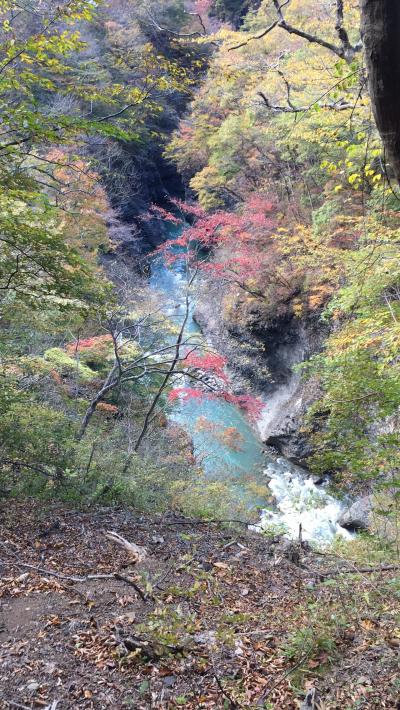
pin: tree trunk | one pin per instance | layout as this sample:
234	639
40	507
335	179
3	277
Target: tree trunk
380	29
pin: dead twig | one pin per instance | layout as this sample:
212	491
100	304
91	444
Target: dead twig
232	703
194	521
87	578
268	691
356	570
150	648
129	580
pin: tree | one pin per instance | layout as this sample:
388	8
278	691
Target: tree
343	49
58	101
242	246
291	117
380	32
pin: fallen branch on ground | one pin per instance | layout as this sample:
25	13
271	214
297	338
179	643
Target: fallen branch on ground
150	648
86	578
194	521
129	580
268	691
135	552
356	570
232	703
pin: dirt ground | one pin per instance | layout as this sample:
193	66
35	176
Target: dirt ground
214	617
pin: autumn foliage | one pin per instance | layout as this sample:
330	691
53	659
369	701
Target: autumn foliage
214	364
209	362
88	344
241	242
250	405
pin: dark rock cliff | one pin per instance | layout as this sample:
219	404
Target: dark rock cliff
263	353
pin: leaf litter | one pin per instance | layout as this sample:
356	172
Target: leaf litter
218	618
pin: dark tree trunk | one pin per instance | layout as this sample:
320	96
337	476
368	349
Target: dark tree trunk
381	36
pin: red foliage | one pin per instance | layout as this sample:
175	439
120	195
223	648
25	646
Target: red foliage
188	208
242	240
157	212
210	362
239	242
98	341
252	406
185	393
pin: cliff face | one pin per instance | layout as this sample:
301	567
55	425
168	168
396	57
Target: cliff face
289	341
263	353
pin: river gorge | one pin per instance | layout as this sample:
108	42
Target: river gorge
230	449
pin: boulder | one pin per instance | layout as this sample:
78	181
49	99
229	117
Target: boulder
358	516
291	444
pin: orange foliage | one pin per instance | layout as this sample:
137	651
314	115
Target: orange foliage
107	408
56	377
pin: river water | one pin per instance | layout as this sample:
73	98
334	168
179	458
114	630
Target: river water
230	450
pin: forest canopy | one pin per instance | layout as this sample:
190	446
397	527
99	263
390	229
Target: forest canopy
263	111
199	354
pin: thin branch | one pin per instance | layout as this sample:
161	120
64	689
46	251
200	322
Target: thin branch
86	578
356	570
60	11
268	691
169	373
199	17
183	35
336	106
288	88
11	276
345	50
122	110
313	39
21	464
109	384
232	703
251	39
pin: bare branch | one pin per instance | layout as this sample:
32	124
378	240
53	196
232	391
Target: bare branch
313	39
108	385
251	39
199	17
345	50
168	374
183	35
117	113
16	465
338	106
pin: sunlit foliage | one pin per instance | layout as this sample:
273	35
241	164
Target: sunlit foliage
280	114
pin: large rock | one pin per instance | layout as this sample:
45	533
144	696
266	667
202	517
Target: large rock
292	445
358	516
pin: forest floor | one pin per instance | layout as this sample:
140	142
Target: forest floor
214	617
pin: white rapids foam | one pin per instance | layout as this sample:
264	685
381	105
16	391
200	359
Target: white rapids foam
299	501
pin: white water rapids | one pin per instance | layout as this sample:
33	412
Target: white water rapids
299	501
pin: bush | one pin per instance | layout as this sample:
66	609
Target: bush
69	366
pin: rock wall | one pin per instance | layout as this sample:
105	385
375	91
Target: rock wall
263	353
